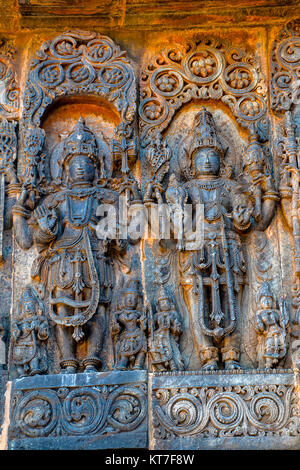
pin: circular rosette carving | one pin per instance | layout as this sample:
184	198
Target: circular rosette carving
267	411
239	78
83	411
99	50
127	409
153	110
288	52
183	414
80	74
50	74
113	76
203	66
226	410
37	413
166	81
250	107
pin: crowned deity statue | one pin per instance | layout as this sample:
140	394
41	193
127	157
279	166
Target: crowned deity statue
212	268
74	265
271	326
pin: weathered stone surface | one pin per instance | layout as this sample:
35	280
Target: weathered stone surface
184	112
82	411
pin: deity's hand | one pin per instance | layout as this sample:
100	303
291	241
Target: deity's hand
292	169
242	214
154	192
131	186
15	333
46	219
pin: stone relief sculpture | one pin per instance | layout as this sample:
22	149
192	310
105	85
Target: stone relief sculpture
164	333
29	332
74	266
76	315
213	276
56	211
128	326
271	324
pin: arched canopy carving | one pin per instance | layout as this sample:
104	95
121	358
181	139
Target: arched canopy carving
73	66
79	63
202	70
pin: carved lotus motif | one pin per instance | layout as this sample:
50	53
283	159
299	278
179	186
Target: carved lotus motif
204	65
239	79
250	108
113	76
166	83
153	111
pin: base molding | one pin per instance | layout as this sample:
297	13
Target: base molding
245	410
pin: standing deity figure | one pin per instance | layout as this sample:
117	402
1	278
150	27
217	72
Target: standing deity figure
270	325
29	331
128	328
74	264
212	272
164	337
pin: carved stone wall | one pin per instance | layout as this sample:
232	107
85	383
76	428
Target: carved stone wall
150	225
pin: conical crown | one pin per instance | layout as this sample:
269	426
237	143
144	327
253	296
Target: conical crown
254	154
205	134
81	141
264	291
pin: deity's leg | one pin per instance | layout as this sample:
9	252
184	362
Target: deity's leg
95	340
231	344
203	344
139	360
65	341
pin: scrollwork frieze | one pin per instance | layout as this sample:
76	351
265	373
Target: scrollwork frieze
202	69
285	61
79	411
77	63
226	411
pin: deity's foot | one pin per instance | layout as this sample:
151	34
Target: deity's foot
36	372
69	370
210	365
91	364
232	365
90	368
69	366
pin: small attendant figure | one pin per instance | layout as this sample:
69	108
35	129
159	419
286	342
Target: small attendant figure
271	324
164	349
128	330
29	331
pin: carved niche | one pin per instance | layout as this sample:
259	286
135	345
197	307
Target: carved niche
178	133
65	179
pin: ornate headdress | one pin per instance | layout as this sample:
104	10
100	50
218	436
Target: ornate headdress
205	134
81	141
131	286
264	291
202	135
254	154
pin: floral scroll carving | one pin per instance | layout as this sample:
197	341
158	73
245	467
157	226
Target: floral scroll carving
81	411
246	410
285	64
201	69
77	63
9	102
